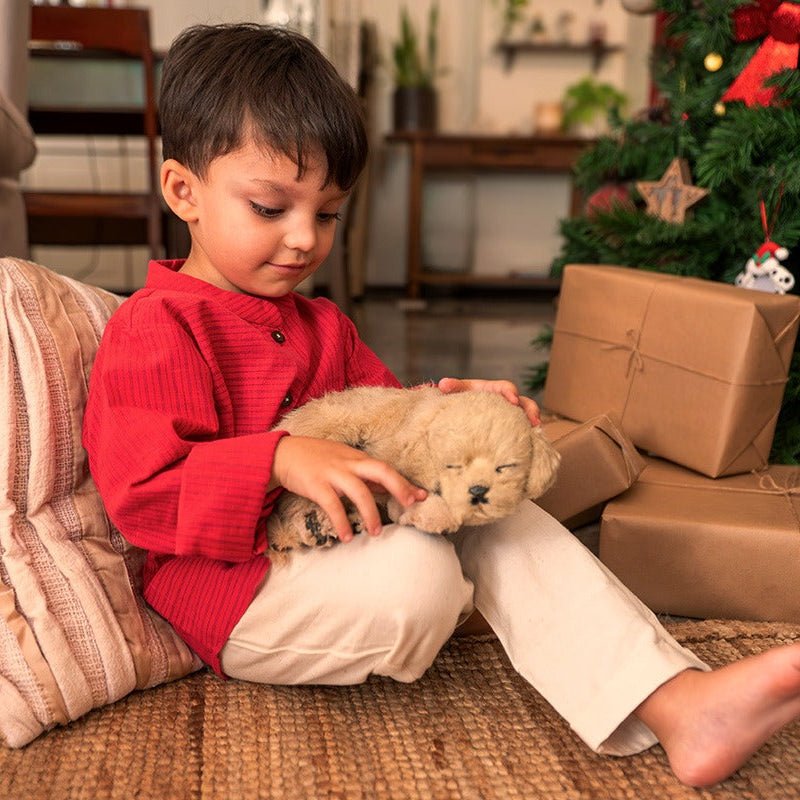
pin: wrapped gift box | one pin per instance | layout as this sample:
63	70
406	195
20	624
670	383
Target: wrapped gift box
695	370
691	546
598	462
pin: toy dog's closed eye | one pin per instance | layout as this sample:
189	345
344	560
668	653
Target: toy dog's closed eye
499	468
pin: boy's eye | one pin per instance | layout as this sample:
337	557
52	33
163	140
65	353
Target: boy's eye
273	213
263	211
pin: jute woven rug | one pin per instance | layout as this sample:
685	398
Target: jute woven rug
470	728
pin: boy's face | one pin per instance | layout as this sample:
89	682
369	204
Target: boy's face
255	227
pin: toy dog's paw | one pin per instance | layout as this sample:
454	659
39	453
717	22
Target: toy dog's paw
431	515
317	530
297	523
318	523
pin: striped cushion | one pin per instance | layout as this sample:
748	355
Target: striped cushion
74	631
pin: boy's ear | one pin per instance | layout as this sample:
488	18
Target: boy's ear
178	187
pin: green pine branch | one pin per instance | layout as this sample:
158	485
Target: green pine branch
741	154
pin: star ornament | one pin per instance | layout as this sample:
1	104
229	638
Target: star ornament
673	194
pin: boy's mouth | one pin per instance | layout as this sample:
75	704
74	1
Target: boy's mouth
296	267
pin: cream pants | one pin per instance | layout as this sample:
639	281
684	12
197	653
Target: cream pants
386	605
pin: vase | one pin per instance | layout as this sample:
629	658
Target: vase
414	108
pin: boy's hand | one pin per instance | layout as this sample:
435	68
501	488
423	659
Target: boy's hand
505	388
325	471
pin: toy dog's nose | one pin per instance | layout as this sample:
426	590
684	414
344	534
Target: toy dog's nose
478	493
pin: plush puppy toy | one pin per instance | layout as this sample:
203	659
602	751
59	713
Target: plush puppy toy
475	453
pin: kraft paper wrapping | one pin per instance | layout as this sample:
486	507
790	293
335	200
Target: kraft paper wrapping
598	462
695	370
695	547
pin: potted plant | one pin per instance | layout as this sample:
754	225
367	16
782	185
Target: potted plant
512	13
587	105
414	99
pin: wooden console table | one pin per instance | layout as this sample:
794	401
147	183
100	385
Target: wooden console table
456	153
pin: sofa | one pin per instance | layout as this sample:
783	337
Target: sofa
17	143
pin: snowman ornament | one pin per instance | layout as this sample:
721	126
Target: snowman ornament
764	272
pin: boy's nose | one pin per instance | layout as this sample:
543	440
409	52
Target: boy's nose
302	237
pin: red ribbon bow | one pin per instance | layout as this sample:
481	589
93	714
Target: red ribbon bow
781	24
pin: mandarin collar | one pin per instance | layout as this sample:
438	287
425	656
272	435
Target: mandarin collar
163	274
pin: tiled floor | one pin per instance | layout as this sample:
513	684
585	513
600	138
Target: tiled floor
467	338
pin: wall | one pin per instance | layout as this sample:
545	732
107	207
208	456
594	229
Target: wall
491	224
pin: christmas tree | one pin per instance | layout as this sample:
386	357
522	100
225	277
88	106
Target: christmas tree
727	121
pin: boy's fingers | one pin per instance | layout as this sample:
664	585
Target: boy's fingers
446	385
505	388
332	506
531	409
380	473
509	391
362	499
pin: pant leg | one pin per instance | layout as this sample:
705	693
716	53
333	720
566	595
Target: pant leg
570	628
382	606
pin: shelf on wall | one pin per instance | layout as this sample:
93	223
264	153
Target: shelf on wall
597	50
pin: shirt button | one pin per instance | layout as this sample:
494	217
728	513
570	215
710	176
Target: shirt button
287	400
278	337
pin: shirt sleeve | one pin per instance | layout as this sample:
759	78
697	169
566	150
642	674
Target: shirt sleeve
152	434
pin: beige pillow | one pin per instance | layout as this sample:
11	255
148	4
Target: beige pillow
17	143
75	633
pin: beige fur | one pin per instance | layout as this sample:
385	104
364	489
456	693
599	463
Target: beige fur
446	443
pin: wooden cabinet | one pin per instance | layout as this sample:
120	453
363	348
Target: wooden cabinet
469	154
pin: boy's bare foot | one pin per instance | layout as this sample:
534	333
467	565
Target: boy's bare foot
710	723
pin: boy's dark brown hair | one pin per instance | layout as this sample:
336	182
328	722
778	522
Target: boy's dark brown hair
223	83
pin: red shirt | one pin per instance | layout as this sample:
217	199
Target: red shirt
188	382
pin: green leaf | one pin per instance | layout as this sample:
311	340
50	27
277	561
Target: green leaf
411	66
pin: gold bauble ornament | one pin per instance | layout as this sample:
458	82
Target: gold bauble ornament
719	109
712	62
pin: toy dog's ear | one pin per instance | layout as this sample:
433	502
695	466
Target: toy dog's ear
544	465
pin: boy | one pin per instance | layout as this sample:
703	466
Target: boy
262	142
